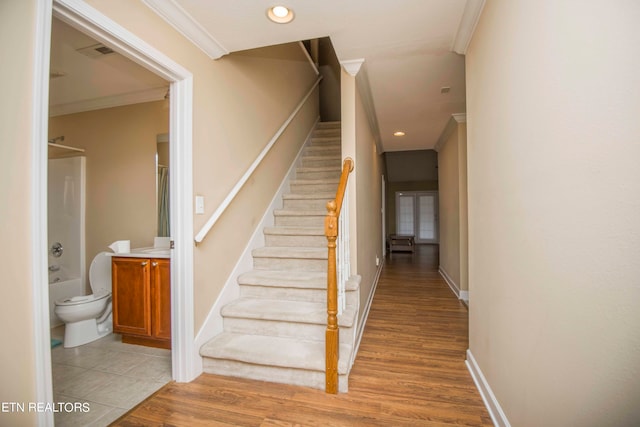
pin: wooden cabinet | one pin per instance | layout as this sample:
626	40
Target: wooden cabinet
142	300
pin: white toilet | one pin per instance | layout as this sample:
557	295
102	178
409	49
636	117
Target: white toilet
88	317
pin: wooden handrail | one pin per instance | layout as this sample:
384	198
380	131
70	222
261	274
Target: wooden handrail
331	231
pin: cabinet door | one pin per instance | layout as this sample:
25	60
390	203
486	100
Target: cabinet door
161	298
130	279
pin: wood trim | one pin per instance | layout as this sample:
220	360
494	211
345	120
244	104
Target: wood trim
331	232
468	23
493	406
41	363
181	20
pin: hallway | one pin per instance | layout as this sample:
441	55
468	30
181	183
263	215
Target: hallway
409	371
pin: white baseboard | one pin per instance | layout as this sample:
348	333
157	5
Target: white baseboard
495	410
463	295
452	284
365	312
213	324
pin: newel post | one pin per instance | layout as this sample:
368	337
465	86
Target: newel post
332	335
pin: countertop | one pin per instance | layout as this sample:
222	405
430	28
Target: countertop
145	253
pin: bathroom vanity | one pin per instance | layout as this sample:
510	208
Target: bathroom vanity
141	284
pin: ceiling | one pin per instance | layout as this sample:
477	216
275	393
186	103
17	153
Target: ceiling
408	48
82	83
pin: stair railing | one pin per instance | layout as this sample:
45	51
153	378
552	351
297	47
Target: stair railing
243	180
331	226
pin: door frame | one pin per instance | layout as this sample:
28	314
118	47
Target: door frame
90	21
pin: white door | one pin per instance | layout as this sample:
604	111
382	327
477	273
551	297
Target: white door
417	215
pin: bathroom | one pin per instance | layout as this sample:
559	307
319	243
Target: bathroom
123	147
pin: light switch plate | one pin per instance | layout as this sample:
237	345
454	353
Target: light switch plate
199	205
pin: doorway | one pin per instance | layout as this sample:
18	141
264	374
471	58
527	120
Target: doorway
417	215
99	27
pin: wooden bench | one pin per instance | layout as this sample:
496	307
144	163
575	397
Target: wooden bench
400	243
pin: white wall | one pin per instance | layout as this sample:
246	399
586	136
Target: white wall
553	113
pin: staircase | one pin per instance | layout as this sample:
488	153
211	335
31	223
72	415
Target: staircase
275	330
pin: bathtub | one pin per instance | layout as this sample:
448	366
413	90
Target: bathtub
59	288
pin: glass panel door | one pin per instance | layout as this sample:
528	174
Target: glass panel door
427	218
405	215
417	215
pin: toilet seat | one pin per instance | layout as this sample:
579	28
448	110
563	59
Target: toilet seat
99	280
100	273
82	299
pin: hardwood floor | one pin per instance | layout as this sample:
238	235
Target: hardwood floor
409	371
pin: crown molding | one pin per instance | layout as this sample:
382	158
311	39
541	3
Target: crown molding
352	66
467	26
149	95
449	128
186	25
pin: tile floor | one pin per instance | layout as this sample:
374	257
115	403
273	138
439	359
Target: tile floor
110	376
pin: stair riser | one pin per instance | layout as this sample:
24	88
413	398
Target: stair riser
290	264
292	294
328	125
300	377
321	162
299	221
275	328
314	188
306	204
328	151
318	175
333	145
325	133
295	241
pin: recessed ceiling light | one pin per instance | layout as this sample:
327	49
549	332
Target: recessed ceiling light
398	133
280	14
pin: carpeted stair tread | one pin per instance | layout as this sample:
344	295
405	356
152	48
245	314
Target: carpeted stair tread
288	311
288	252
294	231
296	212
335	169
290	279
335	181
272	351
283	278
307	196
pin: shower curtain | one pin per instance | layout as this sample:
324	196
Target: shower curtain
163	201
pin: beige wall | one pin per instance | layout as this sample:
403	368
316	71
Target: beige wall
240	101
365	186
120	147
368	173
17	21
452	202
554	230
449	206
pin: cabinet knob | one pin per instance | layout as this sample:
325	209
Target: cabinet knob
154	264
143	263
